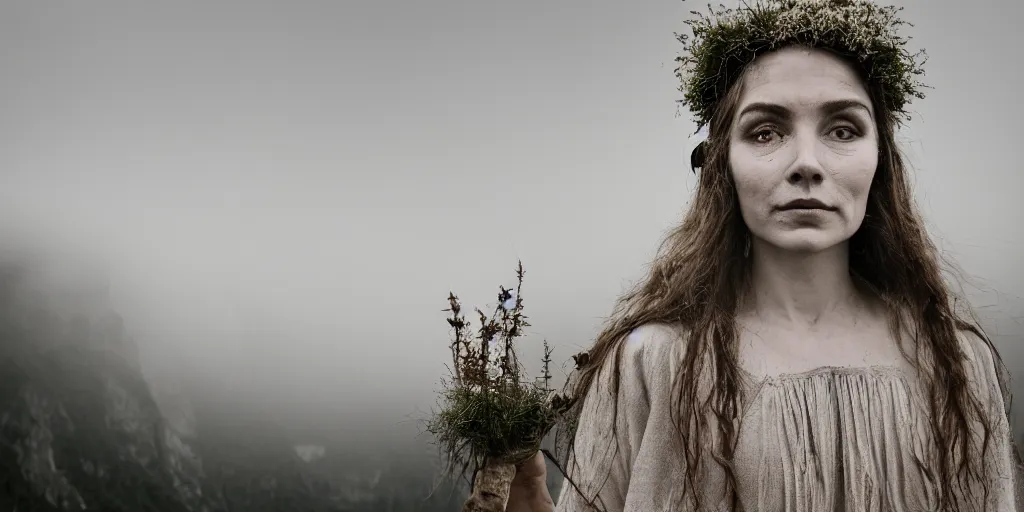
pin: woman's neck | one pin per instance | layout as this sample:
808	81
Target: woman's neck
801	289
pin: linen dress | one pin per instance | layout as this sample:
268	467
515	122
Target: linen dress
850	439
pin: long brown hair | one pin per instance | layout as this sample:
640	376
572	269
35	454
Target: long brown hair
700	274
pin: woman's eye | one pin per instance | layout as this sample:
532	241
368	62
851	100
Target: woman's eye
844	133
764	135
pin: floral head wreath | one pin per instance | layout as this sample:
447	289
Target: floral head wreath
724	41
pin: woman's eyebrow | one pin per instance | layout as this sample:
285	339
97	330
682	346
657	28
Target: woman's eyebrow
836	106
759	107
828	108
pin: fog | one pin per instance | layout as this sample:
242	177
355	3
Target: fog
282	194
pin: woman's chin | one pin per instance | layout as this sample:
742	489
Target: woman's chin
806	241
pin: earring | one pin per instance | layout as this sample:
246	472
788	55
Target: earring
697	157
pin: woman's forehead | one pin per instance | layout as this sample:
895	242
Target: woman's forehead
800	77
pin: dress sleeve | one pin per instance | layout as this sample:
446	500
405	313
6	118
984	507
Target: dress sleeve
1004	470
609	434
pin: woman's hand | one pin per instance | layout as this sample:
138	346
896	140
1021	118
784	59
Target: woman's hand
529	489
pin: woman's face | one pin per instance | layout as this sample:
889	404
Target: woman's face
803	149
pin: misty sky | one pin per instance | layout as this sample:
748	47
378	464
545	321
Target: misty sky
285	192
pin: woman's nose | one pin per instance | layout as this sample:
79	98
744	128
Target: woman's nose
806	168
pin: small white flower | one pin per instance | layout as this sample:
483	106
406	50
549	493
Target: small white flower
510	302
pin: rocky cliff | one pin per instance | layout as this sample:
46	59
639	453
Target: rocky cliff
80	429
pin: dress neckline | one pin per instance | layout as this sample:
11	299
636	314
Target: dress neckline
754	386
877	369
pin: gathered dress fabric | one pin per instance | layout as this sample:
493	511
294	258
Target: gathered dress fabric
841	439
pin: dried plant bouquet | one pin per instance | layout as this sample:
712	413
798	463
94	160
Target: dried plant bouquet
491	417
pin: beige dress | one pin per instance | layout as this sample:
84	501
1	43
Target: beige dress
831	439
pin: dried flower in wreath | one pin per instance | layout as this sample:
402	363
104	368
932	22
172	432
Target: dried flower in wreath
725	40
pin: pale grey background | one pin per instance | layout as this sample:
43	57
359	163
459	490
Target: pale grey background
285	192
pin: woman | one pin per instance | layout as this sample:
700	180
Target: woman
794	346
